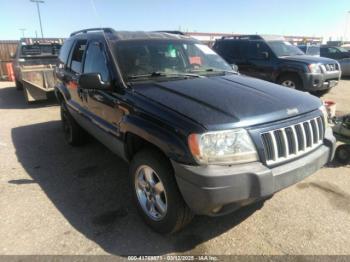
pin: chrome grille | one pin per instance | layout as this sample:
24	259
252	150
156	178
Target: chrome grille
330	67
292	141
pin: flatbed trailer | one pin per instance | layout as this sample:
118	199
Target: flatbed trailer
37	81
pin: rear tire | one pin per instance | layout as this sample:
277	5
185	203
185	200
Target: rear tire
19	85
73	133
151	173
342	154
291	81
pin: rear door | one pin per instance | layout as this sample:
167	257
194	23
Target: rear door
72	72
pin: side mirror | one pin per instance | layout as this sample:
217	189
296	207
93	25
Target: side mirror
265	55
92	81
234	67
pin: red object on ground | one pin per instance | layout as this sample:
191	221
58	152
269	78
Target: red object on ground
10	73
330	106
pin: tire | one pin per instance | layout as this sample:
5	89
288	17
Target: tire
177	214
73	133
291	81
19	85
342	154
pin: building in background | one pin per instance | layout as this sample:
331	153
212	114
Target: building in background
209	38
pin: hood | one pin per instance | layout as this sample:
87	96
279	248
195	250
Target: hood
307	59
228	101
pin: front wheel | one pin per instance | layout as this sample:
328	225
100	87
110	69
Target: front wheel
342	154
291	81
157	196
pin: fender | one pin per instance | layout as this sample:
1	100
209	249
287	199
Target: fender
171	142
289	68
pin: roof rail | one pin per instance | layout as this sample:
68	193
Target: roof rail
171	32
243	37
104	29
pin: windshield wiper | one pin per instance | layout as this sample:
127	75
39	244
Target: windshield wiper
162	74
215	71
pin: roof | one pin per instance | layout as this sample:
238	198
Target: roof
254	37
132	35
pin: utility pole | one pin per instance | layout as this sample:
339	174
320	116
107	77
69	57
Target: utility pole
22	30
38	8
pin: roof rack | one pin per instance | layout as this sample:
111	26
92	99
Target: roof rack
171	32
243	37
84	31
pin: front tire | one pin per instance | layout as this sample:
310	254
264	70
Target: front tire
291	81
156	194
73	133
342	154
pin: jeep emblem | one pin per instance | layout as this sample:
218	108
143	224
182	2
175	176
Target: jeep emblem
292	111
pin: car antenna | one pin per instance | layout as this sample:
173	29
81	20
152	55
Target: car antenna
92	2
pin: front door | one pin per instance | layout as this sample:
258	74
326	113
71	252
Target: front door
102	104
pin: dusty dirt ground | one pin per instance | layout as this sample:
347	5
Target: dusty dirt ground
55	199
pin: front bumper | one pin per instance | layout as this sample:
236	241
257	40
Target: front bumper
217	190
322	81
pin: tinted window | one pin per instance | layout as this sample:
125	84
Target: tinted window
64	52
256	49
231	50
95	61
77	56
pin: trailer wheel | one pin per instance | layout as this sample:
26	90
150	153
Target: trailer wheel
73	133
19	85
342	154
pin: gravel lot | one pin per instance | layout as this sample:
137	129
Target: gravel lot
55	199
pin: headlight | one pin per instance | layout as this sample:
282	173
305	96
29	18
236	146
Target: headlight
325	115
223	147
315	68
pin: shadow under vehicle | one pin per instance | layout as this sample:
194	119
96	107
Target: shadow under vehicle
90	187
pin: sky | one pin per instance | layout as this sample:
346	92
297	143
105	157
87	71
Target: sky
324	18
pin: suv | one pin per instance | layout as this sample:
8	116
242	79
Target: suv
338	53
273	59
200	139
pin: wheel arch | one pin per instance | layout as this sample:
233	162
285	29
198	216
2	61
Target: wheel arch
140	133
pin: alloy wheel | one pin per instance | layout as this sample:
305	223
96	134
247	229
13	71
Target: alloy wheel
151	193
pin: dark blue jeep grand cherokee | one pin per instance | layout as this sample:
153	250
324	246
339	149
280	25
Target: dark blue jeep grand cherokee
200	138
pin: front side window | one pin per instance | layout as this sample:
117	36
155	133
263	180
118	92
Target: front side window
257	49
95	61
137	58
283	48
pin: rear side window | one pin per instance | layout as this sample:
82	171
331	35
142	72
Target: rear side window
77	56
230	50
65	50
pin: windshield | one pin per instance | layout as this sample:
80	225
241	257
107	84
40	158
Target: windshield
343	50
313	50
283	48
40	50
146	59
